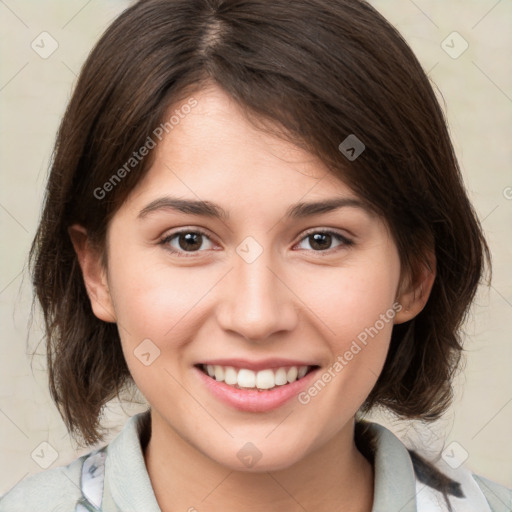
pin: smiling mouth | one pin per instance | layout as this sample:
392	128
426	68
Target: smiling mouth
263	380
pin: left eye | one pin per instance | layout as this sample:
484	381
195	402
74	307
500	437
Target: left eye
322	239
191	241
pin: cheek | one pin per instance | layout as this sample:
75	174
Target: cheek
156	308
355	310
354	300
152	300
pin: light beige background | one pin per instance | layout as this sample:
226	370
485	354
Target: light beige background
477	89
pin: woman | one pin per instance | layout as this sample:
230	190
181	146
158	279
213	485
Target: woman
255	215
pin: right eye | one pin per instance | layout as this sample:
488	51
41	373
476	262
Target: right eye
188	240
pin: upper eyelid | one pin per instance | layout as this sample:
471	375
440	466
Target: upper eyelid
180	231
325	230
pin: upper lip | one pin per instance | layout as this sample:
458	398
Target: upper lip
257	365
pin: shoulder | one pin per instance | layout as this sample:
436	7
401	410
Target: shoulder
498	496
461	488
53	490
402	473
90	479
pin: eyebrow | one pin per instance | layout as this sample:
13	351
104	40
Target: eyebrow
213	210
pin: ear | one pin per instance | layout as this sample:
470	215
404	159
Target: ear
94	274
414	291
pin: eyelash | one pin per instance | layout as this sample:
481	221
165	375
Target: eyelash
345	241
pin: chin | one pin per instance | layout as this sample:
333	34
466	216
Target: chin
251	459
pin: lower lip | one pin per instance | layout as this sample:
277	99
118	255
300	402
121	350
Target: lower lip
252	400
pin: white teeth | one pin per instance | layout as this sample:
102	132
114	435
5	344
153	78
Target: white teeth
302	372
246	378
280	378
219	373
263	379
230	375
291	376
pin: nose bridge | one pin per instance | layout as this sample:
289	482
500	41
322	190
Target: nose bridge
259	303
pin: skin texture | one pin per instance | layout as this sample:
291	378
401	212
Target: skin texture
294	301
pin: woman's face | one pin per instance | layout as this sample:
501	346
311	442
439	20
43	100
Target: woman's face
259	288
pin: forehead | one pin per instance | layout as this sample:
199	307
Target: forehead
214	151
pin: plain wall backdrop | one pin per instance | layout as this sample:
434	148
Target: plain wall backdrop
43	47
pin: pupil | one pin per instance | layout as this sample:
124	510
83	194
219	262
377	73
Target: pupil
317	239
190	238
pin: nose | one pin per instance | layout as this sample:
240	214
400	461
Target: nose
257	302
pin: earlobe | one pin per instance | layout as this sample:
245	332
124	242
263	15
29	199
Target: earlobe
415	294
94	274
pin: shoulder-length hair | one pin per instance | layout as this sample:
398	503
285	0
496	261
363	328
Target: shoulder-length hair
318	70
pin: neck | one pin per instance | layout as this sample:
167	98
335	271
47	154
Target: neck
334	477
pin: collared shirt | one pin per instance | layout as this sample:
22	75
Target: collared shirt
115	479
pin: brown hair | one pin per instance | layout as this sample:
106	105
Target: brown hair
319	70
